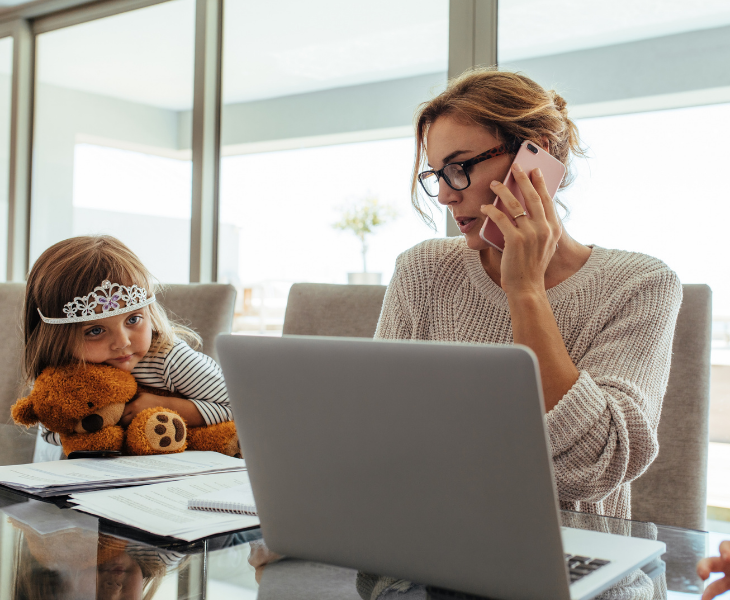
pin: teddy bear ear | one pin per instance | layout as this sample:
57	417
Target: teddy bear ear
24	413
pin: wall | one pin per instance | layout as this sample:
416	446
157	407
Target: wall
680	64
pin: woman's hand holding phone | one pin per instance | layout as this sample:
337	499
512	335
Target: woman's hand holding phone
530	241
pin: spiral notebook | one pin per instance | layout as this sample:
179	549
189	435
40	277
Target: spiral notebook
238	499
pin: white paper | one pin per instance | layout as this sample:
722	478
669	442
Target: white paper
162	508
64	476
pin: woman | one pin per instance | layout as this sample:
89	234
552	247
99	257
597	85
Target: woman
600	321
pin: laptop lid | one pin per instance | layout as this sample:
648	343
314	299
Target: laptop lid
420	460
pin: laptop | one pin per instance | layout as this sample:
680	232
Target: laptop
418	460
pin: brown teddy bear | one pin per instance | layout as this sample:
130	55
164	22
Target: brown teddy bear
84	402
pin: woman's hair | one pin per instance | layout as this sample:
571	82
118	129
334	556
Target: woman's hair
74	267
511	106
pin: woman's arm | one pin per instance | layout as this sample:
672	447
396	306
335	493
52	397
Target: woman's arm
603	432
395	322
534	325
529	247
602	413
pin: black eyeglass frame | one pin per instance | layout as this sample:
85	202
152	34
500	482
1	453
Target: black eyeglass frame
465	166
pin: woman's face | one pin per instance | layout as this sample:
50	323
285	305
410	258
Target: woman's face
451	141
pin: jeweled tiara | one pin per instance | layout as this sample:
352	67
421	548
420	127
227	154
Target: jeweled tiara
107	295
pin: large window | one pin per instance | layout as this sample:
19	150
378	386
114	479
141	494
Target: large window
652	102
6	68
317	111
111	152
285	208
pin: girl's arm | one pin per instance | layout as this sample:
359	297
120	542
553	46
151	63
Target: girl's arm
192	374
199	378
185	408
50	437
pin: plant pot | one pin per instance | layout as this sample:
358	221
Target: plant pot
364	278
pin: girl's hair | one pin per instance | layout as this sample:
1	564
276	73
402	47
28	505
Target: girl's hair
74	267
36	581
511	106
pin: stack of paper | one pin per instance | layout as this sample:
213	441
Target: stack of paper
63	477
162	508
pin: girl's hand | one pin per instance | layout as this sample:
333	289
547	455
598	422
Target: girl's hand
185	408
141	401
716	564
529	241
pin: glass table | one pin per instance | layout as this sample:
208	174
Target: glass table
49	551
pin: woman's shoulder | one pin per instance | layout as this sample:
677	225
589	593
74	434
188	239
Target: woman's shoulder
432	252
626	269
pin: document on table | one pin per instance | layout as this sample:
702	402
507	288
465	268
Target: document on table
162	508
62	477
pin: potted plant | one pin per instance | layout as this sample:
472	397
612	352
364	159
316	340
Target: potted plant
362	217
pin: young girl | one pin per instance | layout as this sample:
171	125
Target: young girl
90	299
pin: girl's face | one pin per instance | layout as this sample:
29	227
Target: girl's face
120	341
120	578
450	141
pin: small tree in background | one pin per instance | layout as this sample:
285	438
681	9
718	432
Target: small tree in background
363	217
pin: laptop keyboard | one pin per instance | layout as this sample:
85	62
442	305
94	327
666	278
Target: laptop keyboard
580	566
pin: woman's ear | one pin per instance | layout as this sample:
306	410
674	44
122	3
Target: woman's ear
545	143
23	412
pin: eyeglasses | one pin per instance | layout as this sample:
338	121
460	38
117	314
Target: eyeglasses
456	175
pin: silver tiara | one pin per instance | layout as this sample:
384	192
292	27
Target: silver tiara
107	295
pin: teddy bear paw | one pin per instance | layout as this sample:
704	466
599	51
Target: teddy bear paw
165	431
156	431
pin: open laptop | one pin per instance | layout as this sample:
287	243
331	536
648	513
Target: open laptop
419	460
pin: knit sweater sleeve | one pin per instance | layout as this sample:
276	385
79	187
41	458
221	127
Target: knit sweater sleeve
395	322
603	432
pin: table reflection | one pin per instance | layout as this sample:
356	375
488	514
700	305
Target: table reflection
48	551
61	554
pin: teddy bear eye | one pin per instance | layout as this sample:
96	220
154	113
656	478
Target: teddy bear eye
91	404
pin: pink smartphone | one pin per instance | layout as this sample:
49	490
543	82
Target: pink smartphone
530	156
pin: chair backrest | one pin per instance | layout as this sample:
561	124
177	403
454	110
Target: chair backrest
16	444
205	307
673	491
333	310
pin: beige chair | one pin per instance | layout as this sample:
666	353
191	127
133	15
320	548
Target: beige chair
333	310
16	443
205	307
674	489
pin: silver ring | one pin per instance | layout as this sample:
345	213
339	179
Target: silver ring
522	214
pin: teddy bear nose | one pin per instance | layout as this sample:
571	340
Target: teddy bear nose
92	423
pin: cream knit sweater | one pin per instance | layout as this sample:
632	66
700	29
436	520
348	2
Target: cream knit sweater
616	316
